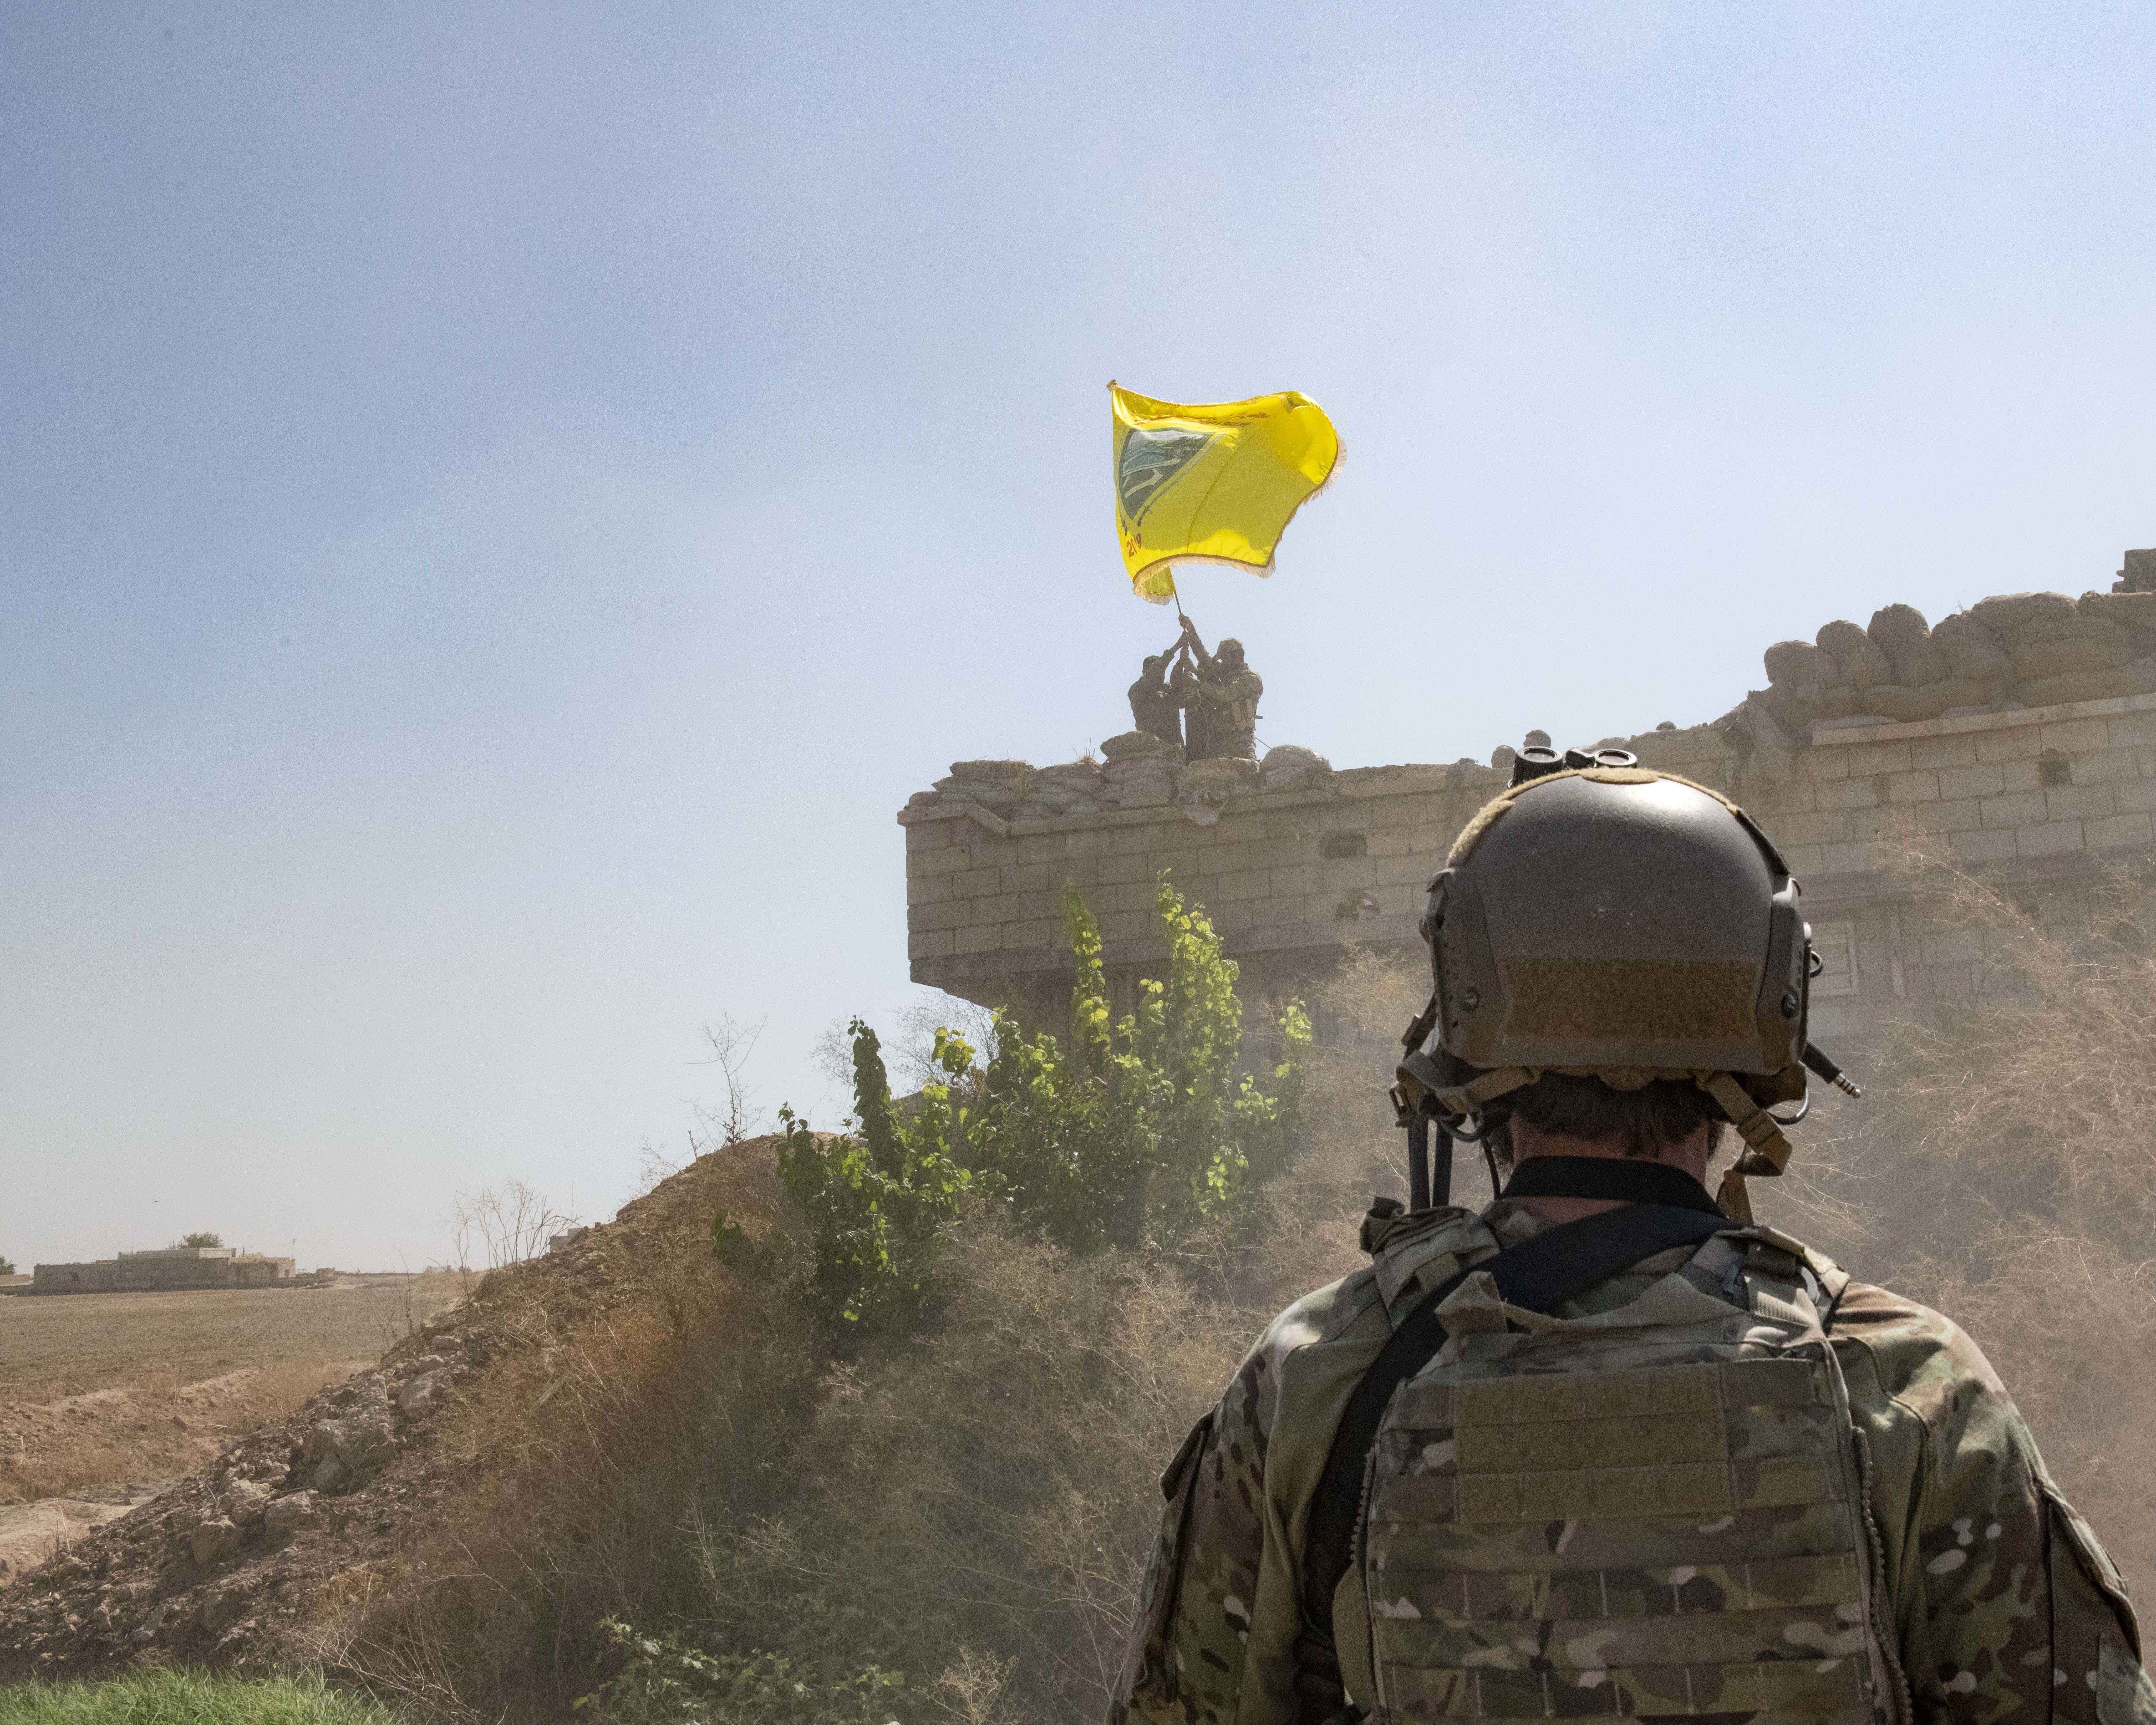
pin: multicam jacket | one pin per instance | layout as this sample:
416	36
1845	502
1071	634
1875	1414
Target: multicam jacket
2005	1608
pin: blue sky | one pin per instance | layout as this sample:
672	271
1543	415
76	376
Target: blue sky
500	505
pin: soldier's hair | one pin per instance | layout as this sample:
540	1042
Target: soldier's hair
1649	1120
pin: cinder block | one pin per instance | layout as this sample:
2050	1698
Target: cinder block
1913	788
1117	870
1083	873
1175	833
2115	830
952	859
2078	802
1959	750
1238	829
1953	982
1223	860
2022	775
1820	765
1804	859
1959	947
2011	743
1275	853
1847	793
1796	797
2136	797
1033	932
1132	841
1230	918
1428	842
1986	779
2104	766
1403	870
978	883
1246	883
1848	859
1276	912
1963	814
2017	808
935	834
928	890
2048	839
1877	757
1025	877
1985	845
2127	731
1043	847
952	913
1091	841
1047	904
1820	827
1347	872
995	907
1128	925
931	943
1304	877
1388	841
989	939
2075	737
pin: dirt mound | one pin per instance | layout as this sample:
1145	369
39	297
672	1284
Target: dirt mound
234	1566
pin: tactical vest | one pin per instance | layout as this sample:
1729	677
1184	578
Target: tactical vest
1653	1511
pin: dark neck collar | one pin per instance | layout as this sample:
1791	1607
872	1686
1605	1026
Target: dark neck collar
1627	1179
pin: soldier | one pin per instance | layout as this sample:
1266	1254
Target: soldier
1605	1447
1228	692
1155	707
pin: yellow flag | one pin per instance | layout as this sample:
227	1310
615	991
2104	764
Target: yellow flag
1216	484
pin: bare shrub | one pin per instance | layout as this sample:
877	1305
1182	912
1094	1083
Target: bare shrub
507	1223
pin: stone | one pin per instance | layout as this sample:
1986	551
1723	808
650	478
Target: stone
421	1395
329	1473
291	1513
213	1539
222	1607
246	1502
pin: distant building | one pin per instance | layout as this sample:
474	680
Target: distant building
170	1267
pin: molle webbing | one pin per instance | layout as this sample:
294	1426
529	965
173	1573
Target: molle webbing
1611	1525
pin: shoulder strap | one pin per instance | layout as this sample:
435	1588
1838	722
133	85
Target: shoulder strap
1558	1265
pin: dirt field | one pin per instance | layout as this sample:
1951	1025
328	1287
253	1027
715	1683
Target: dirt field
59	1345
103	1397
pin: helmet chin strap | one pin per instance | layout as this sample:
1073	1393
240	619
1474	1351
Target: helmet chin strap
1422	1085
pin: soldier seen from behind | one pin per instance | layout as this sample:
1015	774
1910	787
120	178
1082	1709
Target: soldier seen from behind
1606	1447
1223	699
1155	706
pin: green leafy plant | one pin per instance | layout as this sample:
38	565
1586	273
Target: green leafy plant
7	1265
878	1196
201	1239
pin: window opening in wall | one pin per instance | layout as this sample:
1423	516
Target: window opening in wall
1335	845
2052	769
1835	943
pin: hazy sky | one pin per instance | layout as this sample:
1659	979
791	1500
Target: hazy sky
499	506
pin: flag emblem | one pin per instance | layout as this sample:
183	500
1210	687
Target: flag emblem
1217	482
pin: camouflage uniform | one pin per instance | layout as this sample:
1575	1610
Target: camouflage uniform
2005	1610
1229	699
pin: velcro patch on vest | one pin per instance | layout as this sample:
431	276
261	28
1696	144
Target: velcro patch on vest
1673	1488
1537	1398
1467	1596
1633	999
1813	1688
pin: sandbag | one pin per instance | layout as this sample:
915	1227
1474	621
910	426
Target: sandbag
2009	612
1003	772
1798	665
1969	648
1895	628
1130	744
1861	662
1920	663
1906	705
2138	678
1288	766
2035	660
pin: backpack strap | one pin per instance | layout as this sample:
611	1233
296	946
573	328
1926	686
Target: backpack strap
1558	1265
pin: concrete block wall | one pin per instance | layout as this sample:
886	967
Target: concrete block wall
1293	879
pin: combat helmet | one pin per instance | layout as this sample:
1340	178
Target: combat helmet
1602	919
